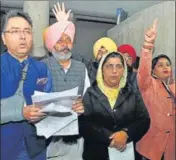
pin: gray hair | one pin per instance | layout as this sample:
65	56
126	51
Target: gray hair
15	13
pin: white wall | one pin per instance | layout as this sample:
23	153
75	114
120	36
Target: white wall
132	30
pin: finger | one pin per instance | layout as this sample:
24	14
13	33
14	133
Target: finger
79	111
148	34
155	23
55	9
63	7
149	39
33	109
117	146
59	7
112	136
69	12
78	101
35	119
78	108
54	12
77	104
153	31
79	98
37	114
123	148
35	106
113	143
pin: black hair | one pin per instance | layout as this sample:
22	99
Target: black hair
156	59
114	55
12	14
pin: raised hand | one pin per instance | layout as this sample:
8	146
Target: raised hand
60	13
150	36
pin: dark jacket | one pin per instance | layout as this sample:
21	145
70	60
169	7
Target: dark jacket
99	121
132	77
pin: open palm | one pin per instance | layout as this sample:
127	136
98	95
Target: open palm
60	13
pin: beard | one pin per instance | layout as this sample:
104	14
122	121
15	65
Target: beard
61	55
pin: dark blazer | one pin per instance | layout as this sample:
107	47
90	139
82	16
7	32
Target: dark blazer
99	121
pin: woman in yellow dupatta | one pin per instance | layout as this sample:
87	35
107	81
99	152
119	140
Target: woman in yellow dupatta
114	113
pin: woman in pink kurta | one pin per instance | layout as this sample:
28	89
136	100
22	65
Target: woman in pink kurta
159	97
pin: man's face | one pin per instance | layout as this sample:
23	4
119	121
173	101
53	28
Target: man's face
18	37
64	44
128	59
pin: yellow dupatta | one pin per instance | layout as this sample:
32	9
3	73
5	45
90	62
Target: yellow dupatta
111	93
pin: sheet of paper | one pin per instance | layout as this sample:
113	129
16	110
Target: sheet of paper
70	129
50	125
41	99
128	154
60	119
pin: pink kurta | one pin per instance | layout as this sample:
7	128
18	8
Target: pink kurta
160	137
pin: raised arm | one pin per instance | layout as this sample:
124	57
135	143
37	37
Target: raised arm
145	66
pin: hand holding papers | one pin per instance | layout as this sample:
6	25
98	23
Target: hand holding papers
128	154
61	120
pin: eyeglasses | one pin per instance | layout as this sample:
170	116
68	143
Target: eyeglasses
19	32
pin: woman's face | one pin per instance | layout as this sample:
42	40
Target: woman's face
162	69
112	72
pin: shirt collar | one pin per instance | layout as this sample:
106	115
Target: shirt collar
17	61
